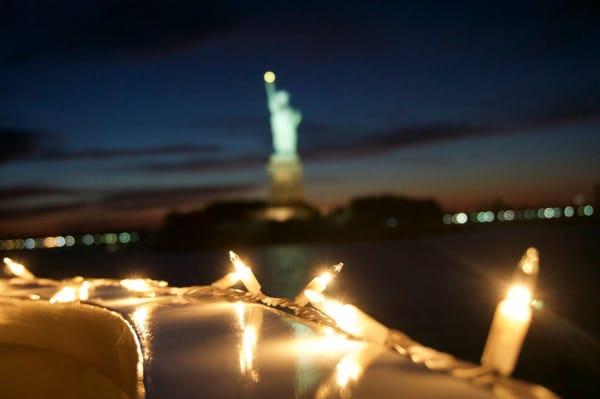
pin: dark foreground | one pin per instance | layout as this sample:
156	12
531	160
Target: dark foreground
440	290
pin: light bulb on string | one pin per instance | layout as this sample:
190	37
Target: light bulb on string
526	273
227	281
17	269
241	273
142	285
64	295
319	284
349	318
84	291
73	293
507	333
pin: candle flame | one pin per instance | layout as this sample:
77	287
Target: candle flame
17	269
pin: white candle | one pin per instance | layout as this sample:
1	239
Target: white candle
507	333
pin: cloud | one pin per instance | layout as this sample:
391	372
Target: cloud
367	144
579	108
18	144
573	108
32	191
380	142
103	153
128	200
204	165
339	143
170	197
75	27
22	212
319	141
250	124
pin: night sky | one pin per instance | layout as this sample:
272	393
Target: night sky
115	112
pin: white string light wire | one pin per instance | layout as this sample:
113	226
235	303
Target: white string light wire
311	305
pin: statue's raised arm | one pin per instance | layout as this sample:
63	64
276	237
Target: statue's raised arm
284	119
270	88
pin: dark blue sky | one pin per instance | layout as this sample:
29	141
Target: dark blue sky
113	112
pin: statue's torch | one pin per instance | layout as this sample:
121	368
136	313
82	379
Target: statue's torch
269	77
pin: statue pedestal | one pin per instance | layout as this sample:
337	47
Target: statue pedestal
286	179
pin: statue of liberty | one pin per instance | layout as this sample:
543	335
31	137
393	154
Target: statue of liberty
284	119
284	165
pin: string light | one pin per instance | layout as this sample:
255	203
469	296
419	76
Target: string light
243	273
507	333
66	294
512	318
17	269
227	281
142	285
73	293
526	273
319	283
84	291
349	318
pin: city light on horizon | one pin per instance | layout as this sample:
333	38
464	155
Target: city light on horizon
85	240
510	215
